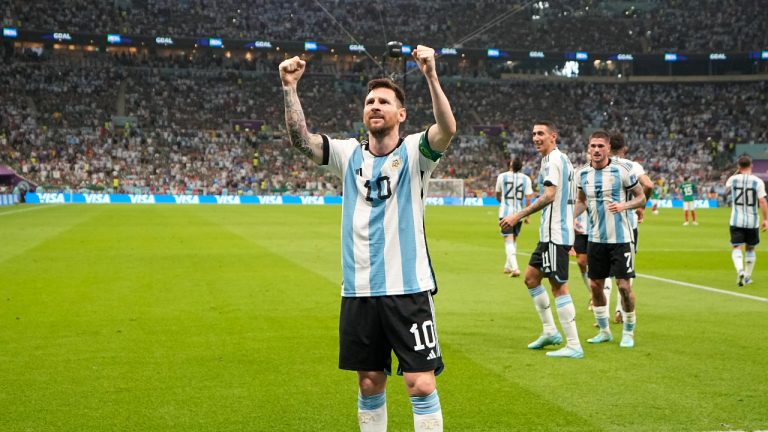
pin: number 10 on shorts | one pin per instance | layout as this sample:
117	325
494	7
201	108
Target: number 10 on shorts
428	331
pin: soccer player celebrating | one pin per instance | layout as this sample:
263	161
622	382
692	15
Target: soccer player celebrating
618	152
748	193
556	235
388	280
688	189
513	191
604	188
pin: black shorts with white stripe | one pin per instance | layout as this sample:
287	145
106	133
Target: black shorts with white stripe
552	260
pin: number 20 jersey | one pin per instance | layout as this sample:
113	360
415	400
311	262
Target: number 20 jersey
383	243
746	191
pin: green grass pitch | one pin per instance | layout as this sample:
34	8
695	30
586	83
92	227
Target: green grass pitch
224	318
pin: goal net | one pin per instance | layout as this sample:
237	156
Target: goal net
445	192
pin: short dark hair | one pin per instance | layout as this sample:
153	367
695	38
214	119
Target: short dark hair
617	142
547	123
517	164
745	161
387	83
601	134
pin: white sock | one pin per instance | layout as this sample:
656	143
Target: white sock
427	413
567	315
601	316
607	291
629	323
372	412
749	263
737	260
511	248
541	301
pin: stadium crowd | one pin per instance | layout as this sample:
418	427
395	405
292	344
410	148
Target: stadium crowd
645	26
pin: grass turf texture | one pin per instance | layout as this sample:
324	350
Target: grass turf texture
181	318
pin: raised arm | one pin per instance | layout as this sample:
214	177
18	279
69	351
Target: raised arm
441	134
310	145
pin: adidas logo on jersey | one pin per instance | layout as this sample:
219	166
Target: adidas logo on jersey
431	355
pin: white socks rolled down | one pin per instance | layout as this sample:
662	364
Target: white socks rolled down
427	413
372	412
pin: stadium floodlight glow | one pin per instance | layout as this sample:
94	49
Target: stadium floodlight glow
581	55
62	36
764	55
493	53
670	57
164	40
718	56
10	32
114	38
448	51
536	54
310	46
406	49
357	48
215	42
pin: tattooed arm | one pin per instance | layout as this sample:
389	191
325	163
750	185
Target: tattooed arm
310	145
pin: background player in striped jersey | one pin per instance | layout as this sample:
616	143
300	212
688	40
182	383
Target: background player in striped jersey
556	235
513	191
604	188
388	280
748	194
636	217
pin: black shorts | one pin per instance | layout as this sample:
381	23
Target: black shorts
370	328
580	244
552	260
515	231
748	236
610	259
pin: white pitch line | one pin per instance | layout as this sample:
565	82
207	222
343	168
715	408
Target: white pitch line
37	207
705	288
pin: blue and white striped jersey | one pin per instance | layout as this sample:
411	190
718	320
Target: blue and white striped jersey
638	171
383	243
602	187
557	217
746	191
514	187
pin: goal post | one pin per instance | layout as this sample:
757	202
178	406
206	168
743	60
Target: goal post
447	191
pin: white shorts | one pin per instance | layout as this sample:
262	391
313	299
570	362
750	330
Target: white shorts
689	205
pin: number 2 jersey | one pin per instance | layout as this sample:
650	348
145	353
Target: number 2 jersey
746	191
513	187
383	243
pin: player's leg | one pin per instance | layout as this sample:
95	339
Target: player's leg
507	264
532	279
422	390
372	401
692	206
411	326
623	266
363	347
753	238
566	312
599	271
511	244
738	241
580	247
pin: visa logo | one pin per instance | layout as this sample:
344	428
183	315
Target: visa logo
228	199
186	199
270	199
97	198
315	200
142	199
435	201
473	201
51	198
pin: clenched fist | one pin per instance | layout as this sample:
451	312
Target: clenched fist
425	58
291	71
